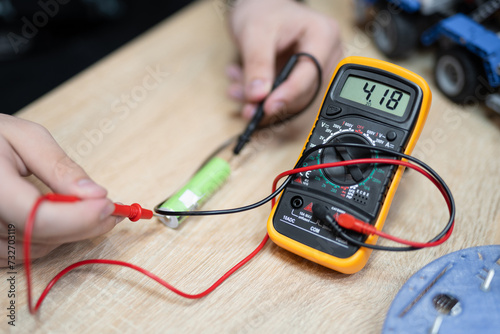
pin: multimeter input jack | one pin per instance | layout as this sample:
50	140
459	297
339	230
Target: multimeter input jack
297	202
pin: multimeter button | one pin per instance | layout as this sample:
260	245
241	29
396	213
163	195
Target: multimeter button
332	110
391	135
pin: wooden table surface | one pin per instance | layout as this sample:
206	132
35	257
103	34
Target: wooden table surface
141	121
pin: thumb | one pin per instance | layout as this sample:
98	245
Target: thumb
45	158
69	178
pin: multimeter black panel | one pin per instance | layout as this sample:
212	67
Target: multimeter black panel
364	105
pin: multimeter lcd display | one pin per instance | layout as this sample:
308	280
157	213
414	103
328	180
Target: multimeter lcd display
376	95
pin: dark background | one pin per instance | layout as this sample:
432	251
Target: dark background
45	42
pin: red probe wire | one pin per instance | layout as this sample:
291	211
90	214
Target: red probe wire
136	212
351	223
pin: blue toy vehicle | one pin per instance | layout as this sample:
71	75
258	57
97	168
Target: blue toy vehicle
467	67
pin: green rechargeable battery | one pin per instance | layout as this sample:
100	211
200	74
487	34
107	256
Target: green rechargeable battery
207	180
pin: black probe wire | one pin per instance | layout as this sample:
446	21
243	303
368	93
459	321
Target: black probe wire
163	212
340	230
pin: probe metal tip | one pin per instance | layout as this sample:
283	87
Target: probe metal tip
242	140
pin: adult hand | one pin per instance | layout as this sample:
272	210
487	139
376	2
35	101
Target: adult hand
267	33
28	148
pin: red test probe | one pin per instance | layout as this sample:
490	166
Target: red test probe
133	212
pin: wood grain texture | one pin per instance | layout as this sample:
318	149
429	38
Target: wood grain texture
141	120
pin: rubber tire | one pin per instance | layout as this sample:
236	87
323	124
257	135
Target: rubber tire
395	36
456	73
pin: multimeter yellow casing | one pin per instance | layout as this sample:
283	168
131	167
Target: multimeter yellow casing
369	102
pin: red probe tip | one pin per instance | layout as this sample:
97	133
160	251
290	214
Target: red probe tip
133	212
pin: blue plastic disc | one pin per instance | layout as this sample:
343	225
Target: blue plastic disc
457	293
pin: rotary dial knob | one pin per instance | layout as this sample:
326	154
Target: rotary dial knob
347	175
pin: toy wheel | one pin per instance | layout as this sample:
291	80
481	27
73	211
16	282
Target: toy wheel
395	35
456	72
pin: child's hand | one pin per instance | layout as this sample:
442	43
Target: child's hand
267	34
28	148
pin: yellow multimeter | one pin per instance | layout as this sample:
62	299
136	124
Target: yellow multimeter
370	102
